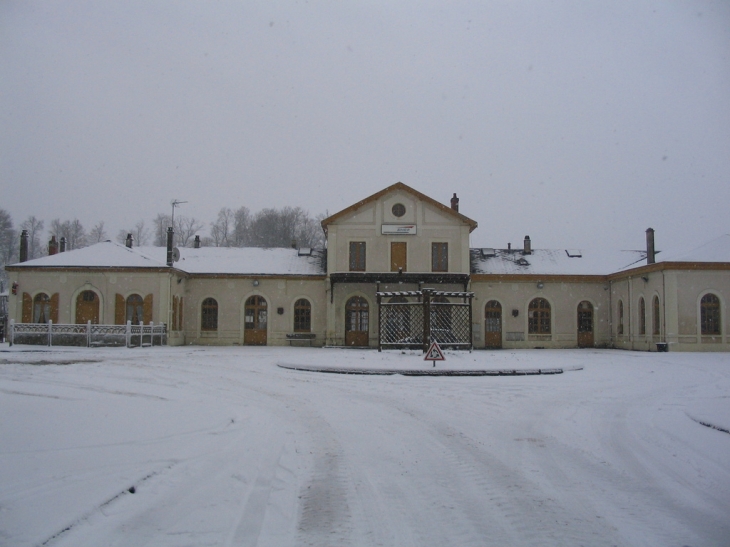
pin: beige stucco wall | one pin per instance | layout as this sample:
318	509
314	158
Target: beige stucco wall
433	225
679	293
68	284
563	297
231	294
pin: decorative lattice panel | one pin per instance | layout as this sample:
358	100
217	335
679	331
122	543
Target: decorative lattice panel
401	324
408	324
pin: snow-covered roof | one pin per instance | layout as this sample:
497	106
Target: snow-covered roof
206	260
716	250
104	254
552	261
250	260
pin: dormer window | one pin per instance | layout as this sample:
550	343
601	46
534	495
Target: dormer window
398	210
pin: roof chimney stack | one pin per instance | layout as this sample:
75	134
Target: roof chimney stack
528	246
455	203
650	253
24	246
170	235
63	245
129	241
52	246
196	242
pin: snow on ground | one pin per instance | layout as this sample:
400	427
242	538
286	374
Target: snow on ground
223	447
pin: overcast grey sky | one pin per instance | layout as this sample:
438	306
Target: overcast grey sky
579	123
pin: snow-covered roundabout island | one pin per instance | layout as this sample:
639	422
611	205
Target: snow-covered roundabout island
202	446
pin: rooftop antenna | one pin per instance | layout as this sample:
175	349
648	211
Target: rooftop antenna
175	203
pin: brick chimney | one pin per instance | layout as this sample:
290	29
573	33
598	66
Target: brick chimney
455	203
527	250
63	245
129	242
52	246
24	246
650	253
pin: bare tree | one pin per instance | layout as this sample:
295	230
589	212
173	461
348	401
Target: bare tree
241	227
34	227
72	230
283	228
97	233
185	229
8	238
220	230
159	229
140	235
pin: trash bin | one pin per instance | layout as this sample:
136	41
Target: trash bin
662	346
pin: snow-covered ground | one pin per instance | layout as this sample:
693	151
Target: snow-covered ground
197	446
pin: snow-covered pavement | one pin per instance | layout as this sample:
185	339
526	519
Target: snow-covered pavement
201	446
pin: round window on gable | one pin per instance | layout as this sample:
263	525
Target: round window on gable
399	210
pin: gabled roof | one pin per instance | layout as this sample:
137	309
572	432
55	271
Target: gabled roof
405	188
106	254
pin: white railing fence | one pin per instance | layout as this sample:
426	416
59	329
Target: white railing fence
50	334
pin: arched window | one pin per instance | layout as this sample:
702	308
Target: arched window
41	308
656	316
302	315
585	317
642	316
620	317
135	309
538	317
209	315
710	314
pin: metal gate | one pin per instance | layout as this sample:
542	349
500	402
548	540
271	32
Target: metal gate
414	319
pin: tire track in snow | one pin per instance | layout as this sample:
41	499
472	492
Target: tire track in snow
324	514
484	500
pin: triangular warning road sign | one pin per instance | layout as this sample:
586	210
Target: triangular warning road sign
434	353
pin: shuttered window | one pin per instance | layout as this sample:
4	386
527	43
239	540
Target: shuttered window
439	257
357	256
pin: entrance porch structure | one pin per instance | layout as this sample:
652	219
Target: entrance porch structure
415	319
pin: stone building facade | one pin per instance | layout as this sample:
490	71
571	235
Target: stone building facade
395	241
